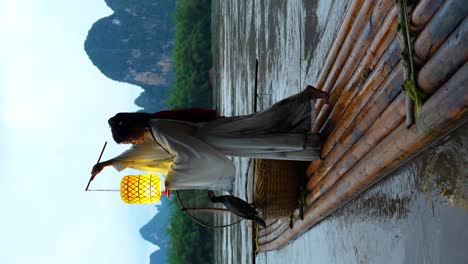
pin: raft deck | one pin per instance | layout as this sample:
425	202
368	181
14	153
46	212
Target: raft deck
368	122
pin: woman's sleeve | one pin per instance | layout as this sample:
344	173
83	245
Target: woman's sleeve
123	160
144	157
196	165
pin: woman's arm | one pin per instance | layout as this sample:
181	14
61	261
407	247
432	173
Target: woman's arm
147	156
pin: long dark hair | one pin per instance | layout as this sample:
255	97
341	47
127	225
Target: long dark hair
124	125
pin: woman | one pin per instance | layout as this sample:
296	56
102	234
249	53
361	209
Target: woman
149	156
195	155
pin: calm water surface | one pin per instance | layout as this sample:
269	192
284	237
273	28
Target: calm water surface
417	214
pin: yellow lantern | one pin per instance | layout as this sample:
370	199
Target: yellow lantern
141	189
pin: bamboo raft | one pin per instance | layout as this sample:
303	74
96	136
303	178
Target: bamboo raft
364	121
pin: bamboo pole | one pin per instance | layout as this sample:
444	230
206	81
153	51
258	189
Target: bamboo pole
350	158
378	104
357	27
445	110
321	115
313	166
384	125
339	40
268	222
385	65
424	11
380	35
445	20
341	36
446	61
274	235
391	117
273	226
99	159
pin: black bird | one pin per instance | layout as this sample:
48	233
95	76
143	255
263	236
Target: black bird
237	206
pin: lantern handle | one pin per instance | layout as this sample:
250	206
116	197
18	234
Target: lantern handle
99	159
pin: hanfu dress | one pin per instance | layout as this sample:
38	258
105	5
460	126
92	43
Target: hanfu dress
200	150
195	155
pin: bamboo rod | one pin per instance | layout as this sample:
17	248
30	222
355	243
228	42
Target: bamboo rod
391	117
274	234
268	223
373	109
424	11
352	139
313	166
445	110
370	112
321	115
385	65
379	34
445	20
273	226
341	36
357	27
99	159
446	61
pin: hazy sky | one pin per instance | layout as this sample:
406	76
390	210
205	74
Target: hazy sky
54	106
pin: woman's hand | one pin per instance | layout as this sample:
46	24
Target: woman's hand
99	167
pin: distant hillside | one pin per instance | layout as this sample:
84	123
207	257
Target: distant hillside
155	231
134	45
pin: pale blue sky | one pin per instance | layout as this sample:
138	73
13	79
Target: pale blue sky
54	106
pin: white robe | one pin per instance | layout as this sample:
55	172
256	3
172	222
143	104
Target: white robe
200	150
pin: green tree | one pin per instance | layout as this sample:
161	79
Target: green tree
192	55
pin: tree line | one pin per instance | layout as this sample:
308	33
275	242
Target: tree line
190	242
192	55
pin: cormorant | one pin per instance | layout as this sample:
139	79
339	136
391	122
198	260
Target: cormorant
237	206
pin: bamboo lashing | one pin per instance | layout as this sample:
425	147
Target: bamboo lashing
404	40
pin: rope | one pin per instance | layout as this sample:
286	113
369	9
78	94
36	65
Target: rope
409	86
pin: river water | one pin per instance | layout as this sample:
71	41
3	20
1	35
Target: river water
417	214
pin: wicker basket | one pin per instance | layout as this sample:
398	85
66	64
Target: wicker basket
276	188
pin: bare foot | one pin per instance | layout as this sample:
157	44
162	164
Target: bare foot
315	93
